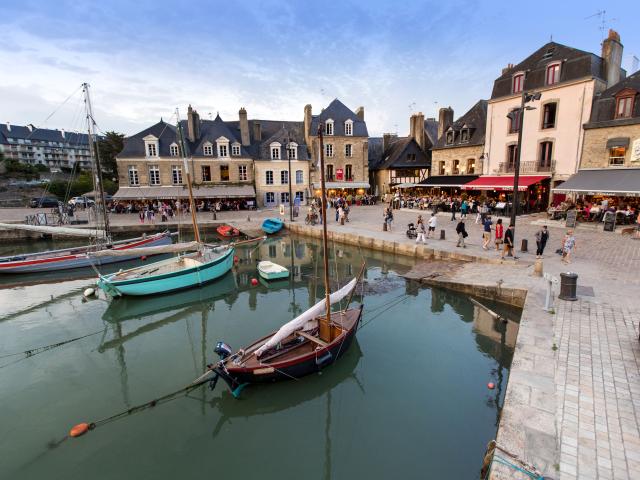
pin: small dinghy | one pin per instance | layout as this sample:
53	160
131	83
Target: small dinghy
272	225
227	231
272	271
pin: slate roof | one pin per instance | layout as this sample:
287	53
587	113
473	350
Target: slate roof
210	131
339	113
475	119
604	104
42	135
165	132
575	64
375	152
396	154
431	130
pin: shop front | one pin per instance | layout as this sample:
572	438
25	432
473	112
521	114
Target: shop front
534	191
446	184
205	196
346	189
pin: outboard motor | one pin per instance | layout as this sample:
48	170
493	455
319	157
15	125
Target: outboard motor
223	350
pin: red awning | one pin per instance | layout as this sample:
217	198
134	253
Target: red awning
503	182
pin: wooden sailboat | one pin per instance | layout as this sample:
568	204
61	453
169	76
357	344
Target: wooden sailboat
308	343
79	257
206	264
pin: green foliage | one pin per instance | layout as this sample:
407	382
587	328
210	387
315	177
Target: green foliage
21	170
79	186
110	146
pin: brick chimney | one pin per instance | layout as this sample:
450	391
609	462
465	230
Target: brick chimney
445	118
244	127
416	128
360	113
387	139
62	132
8	127
612	56
193	124
257	131
307	126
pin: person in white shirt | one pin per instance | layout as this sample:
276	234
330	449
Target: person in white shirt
433	221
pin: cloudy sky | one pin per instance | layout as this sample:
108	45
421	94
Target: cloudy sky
145	58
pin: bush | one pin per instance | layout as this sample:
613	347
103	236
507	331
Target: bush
42	168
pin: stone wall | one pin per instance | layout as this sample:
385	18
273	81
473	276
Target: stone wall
359	160
278	166
448	155
595	153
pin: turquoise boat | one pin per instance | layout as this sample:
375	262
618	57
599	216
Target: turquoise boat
272	271
272	225
178	273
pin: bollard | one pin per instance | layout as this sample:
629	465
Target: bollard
441	234
215	217
384	226
537	268
568	286
248	218
524	246
548	304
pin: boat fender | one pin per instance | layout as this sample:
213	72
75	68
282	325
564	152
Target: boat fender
89	292
235	259
254	281
143	258
223	350
324	360
79	429
491	385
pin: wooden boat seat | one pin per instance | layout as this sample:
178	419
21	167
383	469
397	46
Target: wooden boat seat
312	338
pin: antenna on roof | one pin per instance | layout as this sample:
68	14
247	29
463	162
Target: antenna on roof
603	21
412	106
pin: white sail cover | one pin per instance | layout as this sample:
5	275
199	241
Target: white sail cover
127	252
72	232
300	321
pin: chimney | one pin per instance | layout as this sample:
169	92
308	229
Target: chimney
62	132
445	118
507	68
612	56
193	124
8	127
307	120
30	127
416	128
244	127
257	132
360	113
387	138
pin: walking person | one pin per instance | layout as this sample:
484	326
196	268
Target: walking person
453	209
388	217
433	221
568	246
462	233
542	236
486	233
508	241
464	208
499	234
422	231
341	214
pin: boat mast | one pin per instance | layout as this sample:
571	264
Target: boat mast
95	152
325	248
192	204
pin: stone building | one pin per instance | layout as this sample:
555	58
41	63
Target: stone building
402	161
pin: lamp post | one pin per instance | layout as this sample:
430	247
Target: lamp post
289	177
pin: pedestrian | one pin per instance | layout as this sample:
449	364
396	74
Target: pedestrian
422	231
542	236
499	234
464	208
462	233
568	246
141	216
486	233
508	241
388	217
432	225
337	211
341	214
453	209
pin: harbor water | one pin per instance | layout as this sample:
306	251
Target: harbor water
408	400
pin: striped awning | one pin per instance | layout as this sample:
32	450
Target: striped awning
624	182
175	192
336	185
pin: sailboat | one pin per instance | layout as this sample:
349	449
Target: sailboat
205	265
80	257
310	342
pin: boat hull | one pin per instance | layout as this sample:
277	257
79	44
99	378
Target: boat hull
275	273
77	257
272	225
169	282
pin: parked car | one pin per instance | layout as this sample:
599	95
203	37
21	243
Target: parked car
44	202
81	202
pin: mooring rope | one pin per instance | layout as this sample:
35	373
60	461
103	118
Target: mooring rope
388	306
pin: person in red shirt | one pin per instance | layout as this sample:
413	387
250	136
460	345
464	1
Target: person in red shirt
499	234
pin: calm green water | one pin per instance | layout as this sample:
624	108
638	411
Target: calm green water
409	400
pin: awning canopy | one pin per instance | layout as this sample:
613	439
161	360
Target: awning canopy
336	185
618	142
436	181
406	185
503	182
175	192
613	181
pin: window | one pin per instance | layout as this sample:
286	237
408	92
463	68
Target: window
284	197
471	166
133	175
275	151
284	177
269	177
328	150
411	157
553	74
206	173
329	172
549	115
616	155
512	153
224	173
624	107
292	151
441	169
176	174
242	173
273	249
514	121
348	172
152	151
299	196
456	167
546	152
223	150
518	83
464	135
348	127
348	150
299	177
235	150
270	197
173	150
328	127
208	150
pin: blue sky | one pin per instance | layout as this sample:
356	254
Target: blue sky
145	58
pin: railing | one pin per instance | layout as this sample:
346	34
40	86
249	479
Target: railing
329	178
527	167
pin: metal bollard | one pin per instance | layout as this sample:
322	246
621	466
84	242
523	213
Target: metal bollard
441	234
568	286
215	217
524	246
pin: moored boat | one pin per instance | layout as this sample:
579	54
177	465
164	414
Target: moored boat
272	225
228	231
272	271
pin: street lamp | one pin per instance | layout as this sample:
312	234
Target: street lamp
526	98
288	153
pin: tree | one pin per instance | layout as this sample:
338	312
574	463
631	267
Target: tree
110	145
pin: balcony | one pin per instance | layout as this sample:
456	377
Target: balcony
527	167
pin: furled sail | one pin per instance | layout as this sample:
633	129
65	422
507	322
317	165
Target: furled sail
173	248
72	232
300	321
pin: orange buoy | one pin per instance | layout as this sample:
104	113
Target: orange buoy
254	281
491	385
235	259
79	429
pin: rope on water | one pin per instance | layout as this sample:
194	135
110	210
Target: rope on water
388	306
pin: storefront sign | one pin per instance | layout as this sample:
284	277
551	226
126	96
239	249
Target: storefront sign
339	174
635	151
572	216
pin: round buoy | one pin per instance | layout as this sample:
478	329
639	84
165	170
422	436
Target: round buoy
235	259
491	385
89	292
79	429
254	281
143	258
